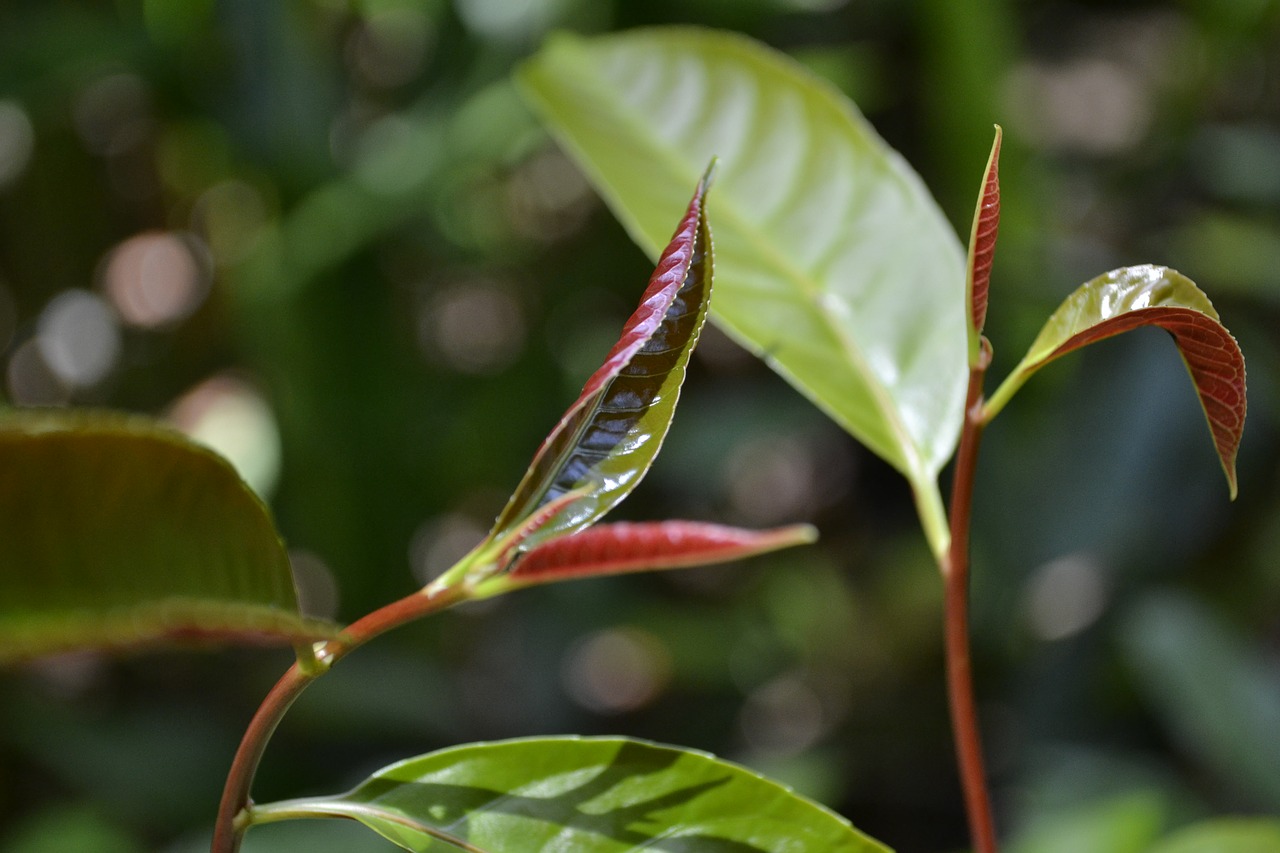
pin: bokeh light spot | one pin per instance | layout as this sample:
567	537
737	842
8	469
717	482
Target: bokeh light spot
475	327
78	338
1065	596
230	417
154	279
617	670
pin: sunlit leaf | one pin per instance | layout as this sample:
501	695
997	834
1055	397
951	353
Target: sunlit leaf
1225	835
117	531
589	795
606	441
609	549
832	260
982	245
1133	297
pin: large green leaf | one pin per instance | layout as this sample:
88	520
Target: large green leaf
1148	295
117	531
589	795
832	260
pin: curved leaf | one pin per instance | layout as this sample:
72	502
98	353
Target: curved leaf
610	549
589	795
982	246
118	531
832	260
1132	297
606	441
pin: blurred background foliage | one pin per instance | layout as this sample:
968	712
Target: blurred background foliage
326	237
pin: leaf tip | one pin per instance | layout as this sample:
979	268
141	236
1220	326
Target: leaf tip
982	243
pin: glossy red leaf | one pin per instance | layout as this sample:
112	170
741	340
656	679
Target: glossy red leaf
606	441
1133	297
610	549
982	244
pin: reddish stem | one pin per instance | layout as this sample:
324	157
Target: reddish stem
233	811
964	716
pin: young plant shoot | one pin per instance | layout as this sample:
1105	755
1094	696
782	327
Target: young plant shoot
836	266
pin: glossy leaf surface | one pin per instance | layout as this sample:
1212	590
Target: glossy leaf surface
118	531
982	245
1133	297
590	795
833	262
610	549
606	441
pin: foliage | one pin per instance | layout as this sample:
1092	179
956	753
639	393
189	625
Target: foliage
343	174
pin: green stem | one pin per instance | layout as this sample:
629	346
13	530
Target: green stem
235	810
964	716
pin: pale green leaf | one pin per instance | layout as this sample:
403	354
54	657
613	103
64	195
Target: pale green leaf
117	531
589	795
832	260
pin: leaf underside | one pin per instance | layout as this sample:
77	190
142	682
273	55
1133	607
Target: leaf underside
1133	297
832	260
609	549
118	532
590	795
606	441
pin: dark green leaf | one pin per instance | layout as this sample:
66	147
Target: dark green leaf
118	531
832	260
1147	295
589	795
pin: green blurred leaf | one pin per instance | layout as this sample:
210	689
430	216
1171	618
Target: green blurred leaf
1128	823
592	795
1225	835
606	441
1147	295
833	261
610	549
118	531
1219	699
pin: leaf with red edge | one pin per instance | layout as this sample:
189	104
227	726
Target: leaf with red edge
982	246
610	549
1147	295
606	441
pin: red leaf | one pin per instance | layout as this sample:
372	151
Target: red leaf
608	549
982	241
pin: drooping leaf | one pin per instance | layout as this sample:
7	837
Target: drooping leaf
832	260
982	246
589	795
1133	297
609	549
606	441
116	531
